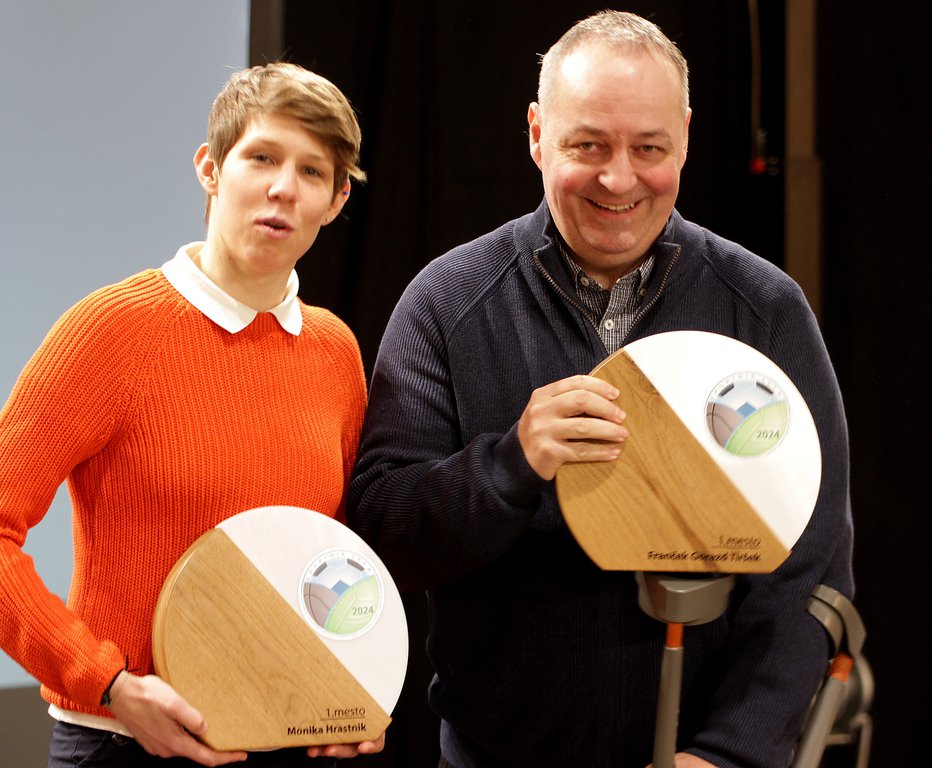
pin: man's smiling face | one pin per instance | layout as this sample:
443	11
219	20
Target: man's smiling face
610	143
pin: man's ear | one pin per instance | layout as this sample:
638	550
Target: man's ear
207	171
689	114
533	124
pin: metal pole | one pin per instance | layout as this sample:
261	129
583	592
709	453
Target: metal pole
668	702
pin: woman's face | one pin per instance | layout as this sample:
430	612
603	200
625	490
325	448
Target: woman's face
270	197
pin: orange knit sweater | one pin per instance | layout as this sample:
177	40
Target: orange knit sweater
163	424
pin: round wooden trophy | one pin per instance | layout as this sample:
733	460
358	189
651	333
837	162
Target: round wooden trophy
283	628
721	470
719	475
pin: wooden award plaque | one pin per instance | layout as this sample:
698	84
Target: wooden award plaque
283	628
721	470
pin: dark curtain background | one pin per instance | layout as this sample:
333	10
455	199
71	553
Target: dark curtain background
874	97
442	89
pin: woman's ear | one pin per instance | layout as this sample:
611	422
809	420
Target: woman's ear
339	200
206	169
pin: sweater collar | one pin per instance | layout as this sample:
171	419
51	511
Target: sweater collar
219	306
541	232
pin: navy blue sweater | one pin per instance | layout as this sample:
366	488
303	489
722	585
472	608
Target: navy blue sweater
541	659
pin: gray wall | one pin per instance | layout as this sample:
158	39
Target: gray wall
103	103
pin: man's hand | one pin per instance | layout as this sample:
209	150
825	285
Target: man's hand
162	722
685	760
348	750
573	419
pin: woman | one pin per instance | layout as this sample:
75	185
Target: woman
173	400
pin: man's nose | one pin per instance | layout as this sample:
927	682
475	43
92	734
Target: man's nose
618	174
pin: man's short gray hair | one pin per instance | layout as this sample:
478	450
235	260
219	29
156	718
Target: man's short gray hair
619	29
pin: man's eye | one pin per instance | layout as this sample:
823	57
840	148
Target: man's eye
311	171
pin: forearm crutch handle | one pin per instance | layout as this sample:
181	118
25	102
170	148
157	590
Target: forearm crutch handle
846	630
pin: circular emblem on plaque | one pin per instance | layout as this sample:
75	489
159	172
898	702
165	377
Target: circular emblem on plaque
341	593
747	414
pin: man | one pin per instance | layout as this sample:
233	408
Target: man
479	395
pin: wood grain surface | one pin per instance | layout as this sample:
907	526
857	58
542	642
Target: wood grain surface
664	504
234	648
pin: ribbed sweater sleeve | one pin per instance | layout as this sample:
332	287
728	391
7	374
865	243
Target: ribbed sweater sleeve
163	425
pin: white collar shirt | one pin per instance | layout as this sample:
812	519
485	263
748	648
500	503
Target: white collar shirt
231	315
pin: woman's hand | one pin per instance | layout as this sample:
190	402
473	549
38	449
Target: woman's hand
161	721
348	750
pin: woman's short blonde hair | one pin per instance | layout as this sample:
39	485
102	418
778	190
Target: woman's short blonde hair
287	89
